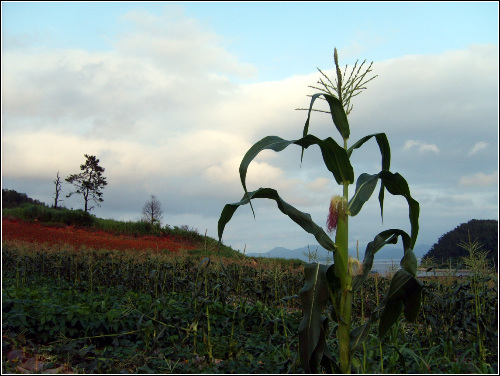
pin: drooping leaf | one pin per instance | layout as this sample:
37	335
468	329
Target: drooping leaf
383	238
339	116
364	188
412	303
385	151
404	292
314	297
409	262
390	315
337	111
334	156
397	185
335	290
359	335
304	220
383	144
270	142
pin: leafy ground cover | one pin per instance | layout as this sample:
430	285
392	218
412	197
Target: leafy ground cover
71	308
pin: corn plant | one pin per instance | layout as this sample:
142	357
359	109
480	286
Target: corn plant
477	263
336	283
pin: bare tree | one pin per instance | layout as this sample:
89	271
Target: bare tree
57	182
152	212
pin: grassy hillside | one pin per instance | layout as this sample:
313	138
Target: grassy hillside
19	205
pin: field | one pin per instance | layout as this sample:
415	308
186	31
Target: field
15	229
82	300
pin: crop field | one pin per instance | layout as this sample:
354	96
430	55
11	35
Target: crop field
78	300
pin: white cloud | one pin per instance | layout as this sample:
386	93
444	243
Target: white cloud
179	45
421	146
164	115
478	146
479	179
319	184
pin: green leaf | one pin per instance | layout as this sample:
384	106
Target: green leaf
270	142
314	297
383	238
304	220
337	111
385	151
397	185
334	156
338	115
383	144
412	304
335	289
364	188
409	262
358	335
404	292
390	315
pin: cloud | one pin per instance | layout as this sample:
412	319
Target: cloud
166	115
179	45
479	179
478	146
319	185
422	147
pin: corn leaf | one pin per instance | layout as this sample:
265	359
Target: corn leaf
338	115
397	185
404	292
336	110
385	151
383	238
364	188
314	297
334	156
304	220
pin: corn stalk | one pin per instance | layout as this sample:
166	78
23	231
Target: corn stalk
338	282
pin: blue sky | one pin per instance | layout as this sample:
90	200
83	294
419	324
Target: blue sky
170	96
279	38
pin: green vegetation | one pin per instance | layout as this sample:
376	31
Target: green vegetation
89	182
22	207
448	249
99	311
336	284
44	214
12	199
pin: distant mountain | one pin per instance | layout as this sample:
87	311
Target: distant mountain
388	252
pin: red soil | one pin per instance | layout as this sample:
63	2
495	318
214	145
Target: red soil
15	229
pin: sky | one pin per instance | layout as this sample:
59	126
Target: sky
170	96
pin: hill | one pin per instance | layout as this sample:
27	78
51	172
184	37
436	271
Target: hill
12	199
28	219
388	252
485	231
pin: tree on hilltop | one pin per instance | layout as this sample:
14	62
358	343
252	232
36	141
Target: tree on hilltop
89	182
152	211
